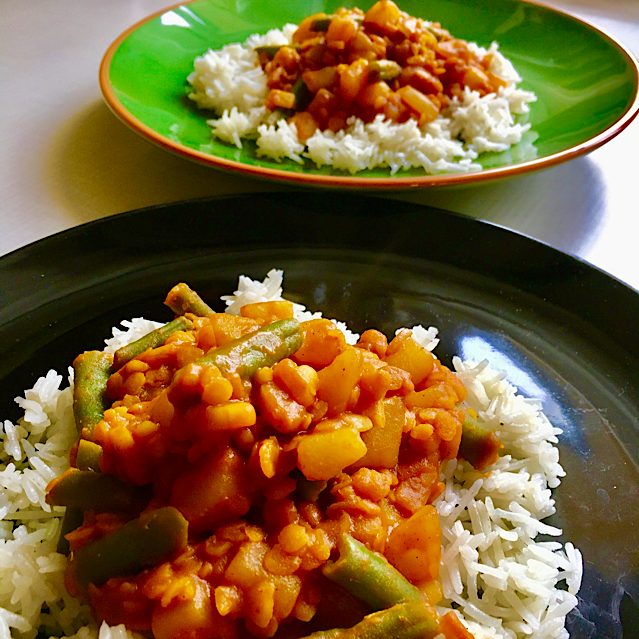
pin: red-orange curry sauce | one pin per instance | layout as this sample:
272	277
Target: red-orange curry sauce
382	62
269	472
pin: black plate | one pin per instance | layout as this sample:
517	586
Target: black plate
562	330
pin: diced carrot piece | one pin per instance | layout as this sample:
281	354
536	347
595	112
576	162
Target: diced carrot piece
453	628
414	545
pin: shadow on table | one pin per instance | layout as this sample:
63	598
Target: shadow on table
96	167
563	206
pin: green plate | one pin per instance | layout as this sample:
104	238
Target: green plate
585	81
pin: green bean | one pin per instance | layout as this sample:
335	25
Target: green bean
150	340
182	299
369	576
308	490
88	490
438	32
302	93
321	24
413	620
91	372
479	447
383	70
263	347
271	49
73	518
88	456
140	544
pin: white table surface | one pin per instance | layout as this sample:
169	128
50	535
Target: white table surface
65	159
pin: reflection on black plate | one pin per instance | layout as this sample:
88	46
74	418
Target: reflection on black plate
562	330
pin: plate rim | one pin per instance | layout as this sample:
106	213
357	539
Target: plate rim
354	181
80	229
31	251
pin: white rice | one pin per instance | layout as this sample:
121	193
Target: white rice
502	582
231	82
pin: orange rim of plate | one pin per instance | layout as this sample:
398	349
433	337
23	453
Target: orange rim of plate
388	183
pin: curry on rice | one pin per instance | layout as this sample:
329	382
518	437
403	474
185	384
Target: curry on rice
251	475
382	62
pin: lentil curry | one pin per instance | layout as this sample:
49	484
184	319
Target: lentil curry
251	476
382	62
